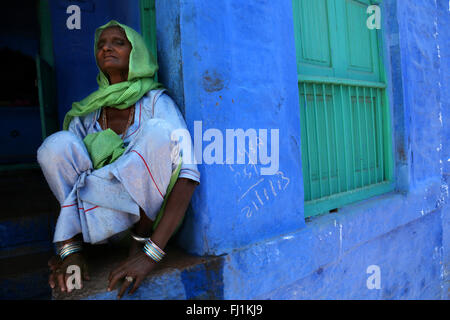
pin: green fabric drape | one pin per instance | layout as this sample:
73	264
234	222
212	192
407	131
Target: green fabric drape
141	71
104	147
173	179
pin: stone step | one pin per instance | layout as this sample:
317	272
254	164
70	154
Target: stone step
27	222
178	276
31	285
20	230
25	193
24	271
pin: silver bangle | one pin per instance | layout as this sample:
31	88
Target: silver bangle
69	248
153	251
139	239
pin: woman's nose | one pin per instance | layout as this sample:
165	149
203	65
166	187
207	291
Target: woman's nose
106	47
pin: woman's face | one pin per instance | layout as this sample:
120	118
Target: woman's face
113	52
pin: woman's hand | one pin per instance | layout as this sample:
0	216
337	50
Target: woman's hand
58	270
137	267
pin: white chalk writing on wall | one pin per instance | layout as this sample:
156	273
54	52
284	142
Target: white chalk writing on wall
263	189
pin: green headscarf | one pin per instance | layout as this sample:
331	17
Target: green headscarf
141	71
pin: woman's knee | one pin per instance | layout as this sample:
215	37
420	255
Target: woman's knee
56	145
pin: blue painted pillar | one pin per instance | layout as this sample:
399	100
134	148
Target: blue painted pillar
236	61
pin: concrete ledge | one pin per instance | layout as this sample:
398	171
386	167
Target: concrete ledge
178	276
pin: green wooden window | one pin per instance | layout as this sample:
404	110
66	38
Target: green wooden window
344	111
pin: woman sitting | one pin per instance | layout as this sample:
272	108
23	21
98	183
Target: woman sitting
116	167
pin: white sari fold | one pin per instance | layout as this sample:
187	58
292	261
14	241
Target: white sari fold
101	203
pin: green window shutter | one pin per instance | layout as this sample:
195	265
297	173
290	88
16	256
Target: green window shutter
359	56
345	124
313	44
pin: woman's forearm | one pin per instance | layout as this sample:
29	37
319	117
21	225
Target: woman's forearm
176	206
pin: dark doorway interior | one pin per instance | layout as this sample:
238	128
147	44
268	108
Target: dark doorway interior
20	125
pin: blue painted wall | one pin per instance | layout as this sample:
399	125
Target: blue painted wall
238	71
443	43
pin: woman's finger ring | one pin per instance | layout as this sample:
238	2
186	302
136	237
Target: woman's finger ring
129	279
